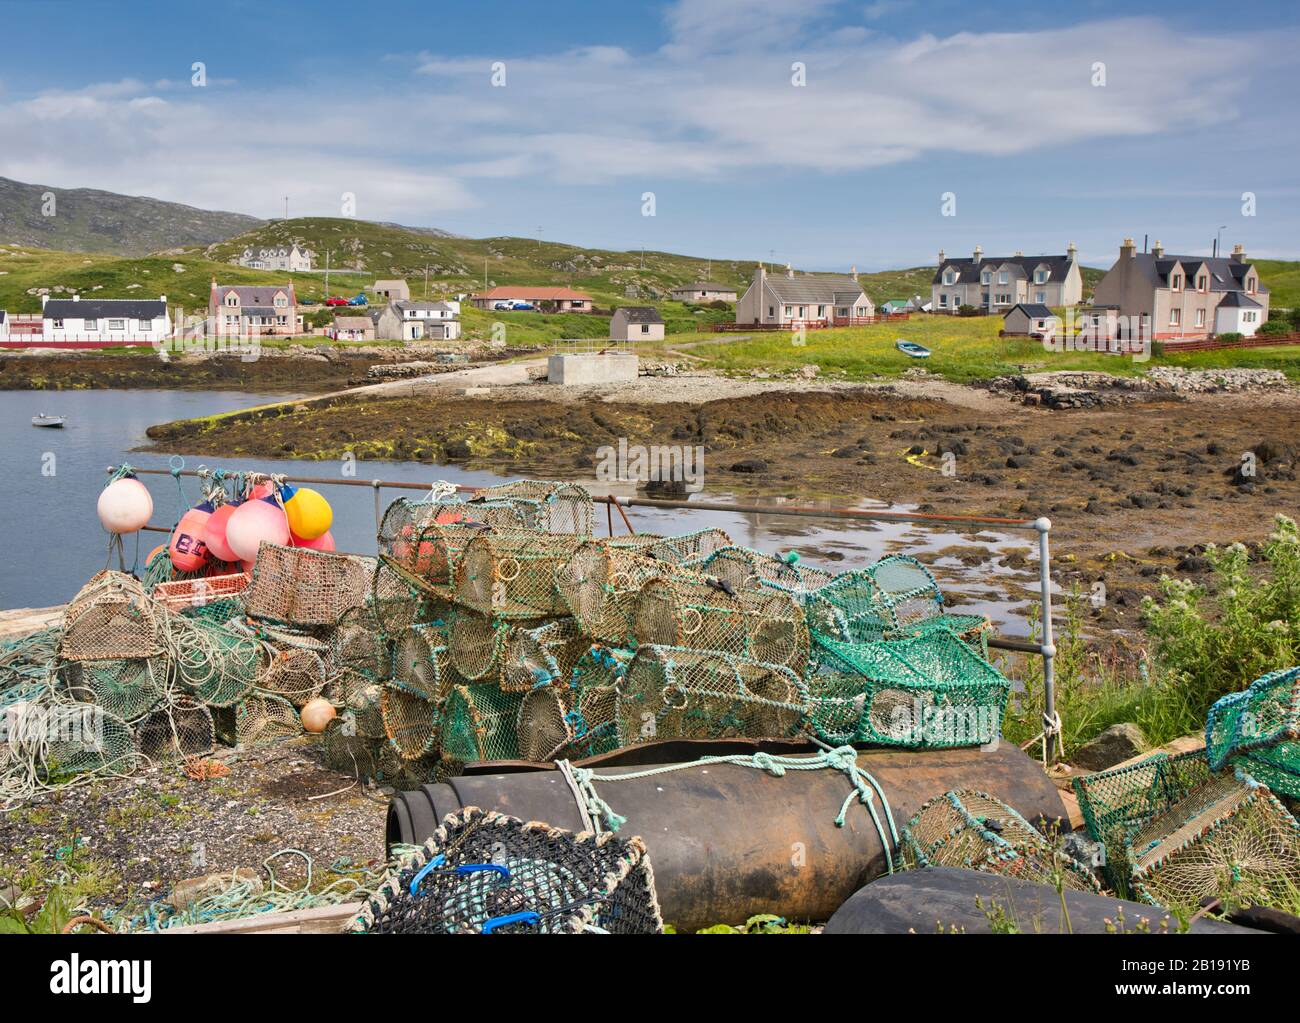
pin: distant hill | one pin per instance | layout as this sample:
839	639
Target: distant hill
89	220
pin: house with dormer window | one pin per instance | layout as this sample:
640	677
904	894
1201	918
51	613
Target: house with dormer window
1168	297
239	310
995	284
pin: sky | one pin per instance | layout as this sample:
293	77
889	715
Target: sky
826	134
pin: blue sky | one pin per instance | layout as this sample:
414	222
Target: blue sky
693	101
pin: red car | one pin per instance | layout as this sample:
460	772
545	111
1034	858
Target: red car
335	300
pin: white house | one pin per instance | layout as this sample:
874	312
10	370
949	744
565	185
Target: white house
105	321
276	257
636	323
791	299
411	321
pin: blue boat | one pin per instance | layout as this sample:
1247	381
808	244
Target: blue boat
912	348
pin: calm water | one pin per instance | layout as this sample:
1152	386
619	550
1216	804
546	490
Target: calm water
51	540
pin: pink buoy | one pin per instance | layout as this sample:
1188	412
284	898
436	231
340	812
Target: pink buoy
253	524
124	505
214	533
324	542
189	549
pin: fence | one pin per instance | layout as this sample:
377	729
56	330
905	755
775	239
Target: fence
821	324
1045	648
1209	344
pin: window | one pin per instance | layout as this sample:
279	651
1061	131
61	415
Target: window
1002	277
92	325
117	324
986	277
1040	297
1200	317
281	301
842	311
232	300
58	324
789	310
950	277
1250	285
1175	317
821	312
577	303
771	310
1040	276
645	328
146	324
943	299
1202	282
1176	282
282	320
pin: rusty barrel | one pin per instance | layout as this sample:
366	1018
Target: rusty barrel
729	841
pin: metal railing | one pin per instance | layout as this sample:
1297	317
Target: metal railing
1042	526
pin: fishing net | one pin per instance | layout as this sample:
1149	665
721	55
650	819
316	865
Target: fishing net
912	601
360	695
399	599
483	872
176	730
682	549
480	722
405	520
546	725
592	703
1118	802
848	609
670	693
111	618
698	612
295	673
433	557
599	585
358	644
421	663
975	831
1259	730
1229	839
256	720
369	759
548	507
476	644
744	568
52	741
216	663
927	692
299	586
159	571
198	594
512	574
126	688
542	655
410	722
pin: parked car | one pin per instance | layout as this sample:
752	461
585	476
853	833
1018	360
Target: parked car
523	307
503	305
336	300
359	300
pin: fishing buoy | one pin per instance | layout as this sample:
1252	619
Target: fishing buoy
153	554
316	714
124	505
260	490
324	542
309	514
214	533
188	547
254	523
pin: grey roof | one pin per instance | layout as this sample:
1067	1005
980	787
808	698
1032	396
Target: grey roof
1226	274
256	294
1034	310
1240	300
422	305
704	286
640	314
968	271
831	289
94	308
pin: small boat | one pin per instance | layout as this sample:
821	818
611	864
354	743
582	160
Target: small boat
48	421
912	348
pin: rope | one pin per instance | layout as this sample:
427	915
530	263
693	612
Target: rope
595	811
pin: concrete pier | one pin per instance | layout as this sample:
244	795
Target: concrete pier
592	368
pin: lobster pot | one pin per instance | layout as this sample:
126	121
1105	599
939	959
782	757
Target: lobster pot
546	724
547	507
593	698
476	644
61	739
359	695
176	730
975	831
1120	801
197	595
542	655
512	575
294	673
847	609
484	872
912	602
599	585
435	553
360	756
421	664
744	568
1229	839
929	692
670	693
1258	730
479	722
125	688
399	599
684	549
405	520
111	618
216	664
300	586
256	720
685	609
410	722
358	644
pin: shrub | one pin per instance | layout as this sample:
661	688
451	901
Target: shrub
1232	335
968	310
1275	327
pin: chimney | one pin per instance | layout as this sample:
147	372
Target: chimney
853	272
1158	249
1238	254
1071	252
44	299
162	299
760	272
942	257
1127	250
1019	254
789	270
979	254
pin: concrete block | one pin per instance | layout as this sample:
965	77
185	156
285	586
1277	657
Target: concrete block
592	368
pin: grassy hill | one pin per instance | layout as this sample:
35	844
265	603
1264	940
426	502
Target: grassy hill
89	220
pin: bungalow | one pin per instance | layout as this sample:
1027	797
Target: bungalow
786	300
703	291
277	257
412	321
1029	319
351	328
551	300
392	291
995	283
1162	296
242	310
105	321
895	307
636	323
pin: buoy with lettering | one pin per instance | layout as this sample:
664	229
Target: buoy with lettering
124	505
188	547
254	523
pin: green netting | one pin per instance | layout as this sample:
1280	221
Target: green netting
512	574
179	728
1118	802
127	688
410	721
359	697
480	722
671	693
1259	730
484	872
1228	839
359	644
976	831
256	720
546	723
400	599
927	692
53	740
213	661
591	704
679	550
542	655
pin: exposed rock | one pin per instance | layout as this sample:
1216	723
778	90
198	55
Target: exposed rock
750	465
1113	746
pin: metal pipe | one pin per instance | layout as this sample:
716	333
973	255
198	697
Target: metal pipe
1051	723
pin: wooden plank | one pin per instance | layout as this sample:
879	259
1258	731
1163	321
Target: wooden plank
23	621
321	920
